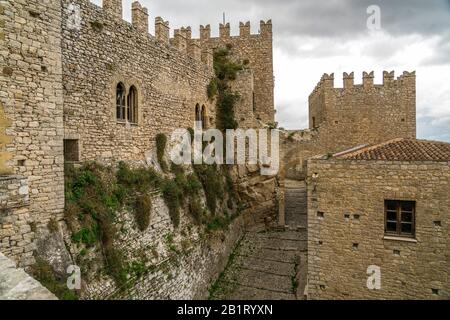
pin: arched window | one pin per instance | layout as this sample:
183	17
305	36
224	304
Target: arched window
120	102
203	117
132	110
198	113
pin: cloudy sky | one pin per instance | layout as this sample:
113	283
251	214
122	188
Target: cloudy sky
312	38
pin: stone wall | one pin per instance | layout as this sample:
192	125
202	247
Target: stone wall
349	237
366	113
257	49
352	116
15	284
31	96
16	228
101	50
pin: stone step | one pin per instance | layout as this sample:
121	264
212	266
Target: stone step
275	244
269	266
288	235
250	293
263	280
290	256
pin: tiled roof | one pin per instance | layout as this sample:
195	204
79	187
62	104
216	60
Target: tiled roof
400	150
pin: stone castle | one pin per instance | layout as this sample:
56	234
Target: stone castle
80	84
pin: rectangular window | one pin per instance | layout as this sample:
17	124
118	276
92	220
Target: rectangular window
71	150
400	218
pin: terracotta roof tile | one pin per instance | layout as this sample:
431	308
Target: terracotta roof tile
400	150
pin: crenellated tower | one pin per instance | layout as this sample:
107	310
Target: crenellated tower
374	111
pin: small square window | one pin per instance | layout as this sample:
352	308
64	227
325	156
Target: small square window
400	218
71	150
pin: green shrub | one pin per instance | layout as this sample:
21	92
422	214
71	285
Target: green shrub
193	185
142	211
86	236
173	198
116	266
224	68
211	180
225	71
220	222
212	89
129	180
43	272
196	210
161	142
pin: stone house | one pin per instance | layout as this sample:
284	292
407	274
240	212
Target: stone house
380	208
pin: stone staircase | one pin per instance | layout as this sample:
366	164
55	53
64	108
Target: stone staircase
265	265
295	204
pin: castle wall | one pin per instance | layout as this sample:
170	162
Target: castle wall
338	270
103	50
32	122
342	118
366	113
244	108
257	49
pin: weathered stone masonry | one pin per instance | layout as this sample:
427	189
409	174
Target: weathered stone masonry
104	52
348	236
61	62
31	96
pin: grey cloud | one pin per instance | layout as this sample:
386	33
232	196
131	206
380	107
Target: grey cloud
333	23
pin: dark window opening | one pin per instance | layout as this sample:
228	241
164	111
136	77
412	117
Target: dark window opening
21	163
204	117
71	150
132	101
400	218
120	102
313	122
254	102
197	113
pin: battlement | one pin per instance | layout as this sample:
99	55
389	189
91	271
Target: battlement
182	40
381	105
244	30
327	81
139	17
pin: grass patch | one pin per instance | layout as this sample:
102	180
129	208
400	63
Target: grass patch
218	286
43	272
173	197
143	207
161	142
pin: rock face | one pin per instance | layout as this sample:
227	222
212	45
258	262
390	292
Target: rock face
15	284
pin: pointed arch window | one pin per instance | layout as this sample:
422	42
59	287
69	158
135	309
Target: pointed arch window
204	118
198	113
132	102
120	102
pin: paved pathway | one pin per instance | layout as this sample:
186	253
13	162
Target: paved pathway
265	265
